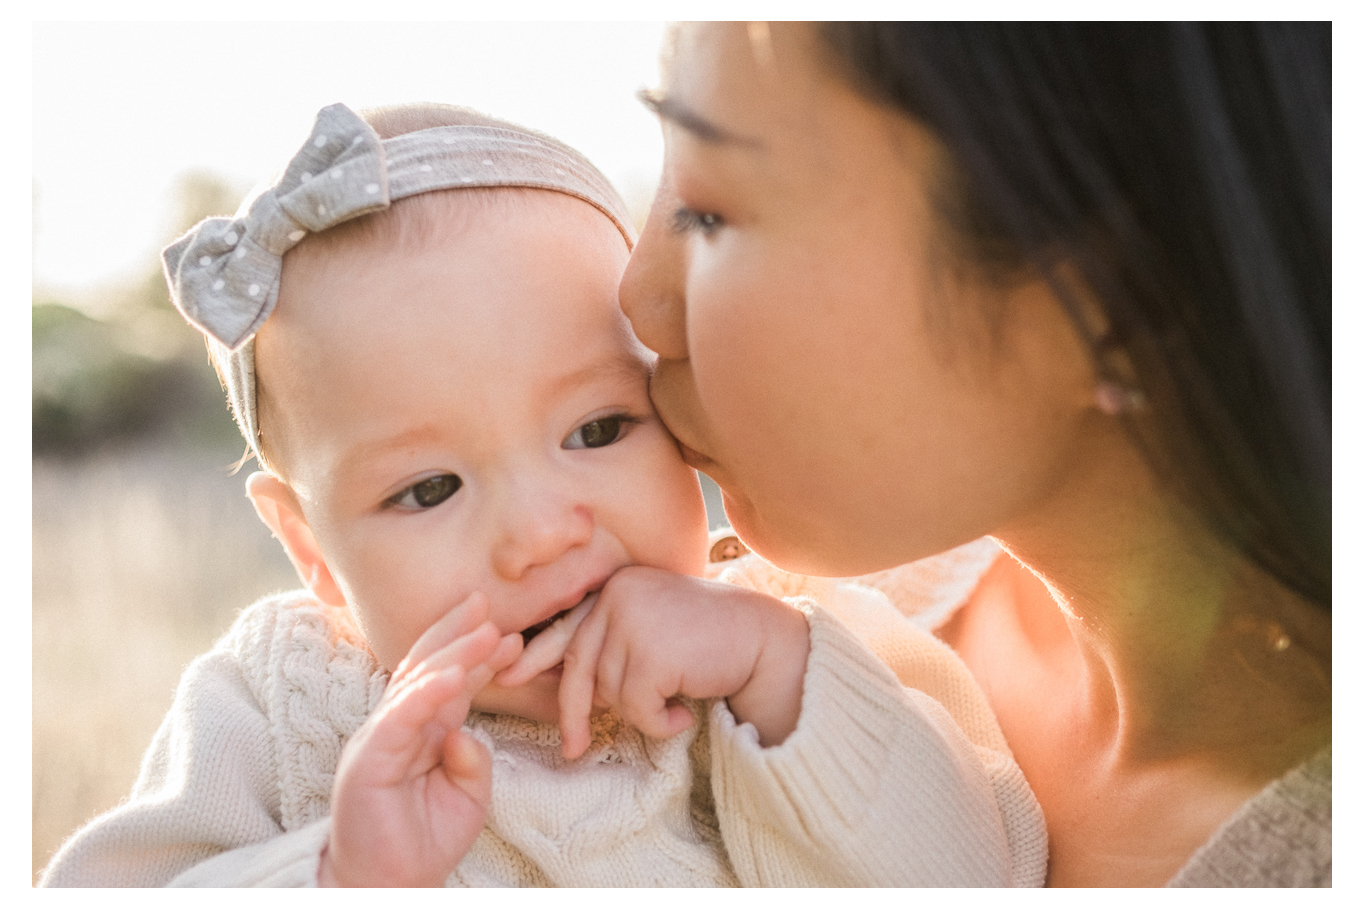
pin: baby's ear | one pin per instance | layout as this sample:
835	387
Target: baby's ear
279	509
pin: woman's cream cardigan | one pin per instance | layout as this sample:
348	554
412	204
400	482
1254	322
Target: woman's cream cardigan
896	774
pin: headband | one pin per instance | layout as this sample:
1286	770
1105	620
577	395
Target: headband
224	273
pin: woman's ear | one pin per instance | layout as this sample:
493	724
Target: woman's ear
279	509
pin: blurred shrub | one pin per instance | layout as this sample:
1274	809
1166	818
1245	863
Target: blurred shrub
139	371
89	388
84	387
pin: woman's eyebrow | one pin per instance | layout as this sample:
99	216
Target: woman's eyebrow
674	111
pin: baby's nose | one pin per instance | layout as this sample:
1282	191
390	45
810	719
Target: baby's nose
538	526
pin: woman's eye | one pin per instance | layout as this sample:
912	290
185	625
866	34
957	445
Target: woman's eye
597	433
686	220
427	493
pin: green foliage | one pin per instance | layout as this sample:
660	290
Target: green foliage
139	372
89	389
84	387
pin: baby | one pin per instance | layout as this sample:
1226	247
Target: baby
508	666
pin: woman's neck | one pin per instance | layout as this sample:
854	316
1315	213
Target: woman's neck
1182	647
1147	679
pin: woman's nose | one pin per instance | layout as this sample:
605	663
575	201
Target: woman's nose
652	287
537	526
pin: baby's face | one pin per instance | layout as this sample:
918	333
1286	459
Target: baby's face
474	415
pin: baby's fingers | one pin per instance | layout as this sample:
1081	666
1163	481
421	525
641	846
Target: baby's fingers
462	619
468	765
654	715
395	742
477	675
484	645
642	690
547	648
576	687
482	659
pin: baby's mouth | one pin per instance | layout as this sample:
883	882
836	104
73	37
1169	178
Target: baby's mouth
546	651
531	632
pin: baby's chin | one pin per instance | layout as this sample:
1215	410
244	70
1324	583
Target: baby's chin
536	700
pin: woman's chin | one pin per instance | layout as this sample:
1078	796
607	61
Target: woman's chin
697	461
744	519
796	544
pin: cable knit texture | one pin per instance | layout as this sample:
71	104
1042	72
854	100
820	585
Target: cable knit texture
879	784
896	774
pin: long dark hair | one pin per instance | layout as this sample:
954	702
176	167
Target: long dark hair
1185	171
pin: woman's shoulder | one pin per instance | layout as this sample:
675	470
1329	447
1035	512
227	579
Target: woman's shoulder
927	591
1281	837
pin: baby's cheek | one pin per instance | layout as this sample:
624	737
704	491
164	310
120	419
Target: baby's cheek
391	632
687	532
375	636
660	513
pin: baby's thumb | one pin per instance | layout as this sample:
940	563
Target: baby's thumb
468	766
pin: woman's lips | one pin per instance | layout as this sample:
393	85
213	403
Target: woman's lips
693	458
675	400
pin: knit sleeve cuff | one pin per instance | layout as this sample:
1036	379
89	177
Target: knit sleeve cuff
288	861
876	785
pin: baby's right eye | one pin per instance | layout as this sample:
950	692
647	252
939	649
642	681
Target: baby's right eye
427	493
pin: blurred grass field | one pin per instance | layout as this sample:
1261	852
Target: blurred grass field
142	556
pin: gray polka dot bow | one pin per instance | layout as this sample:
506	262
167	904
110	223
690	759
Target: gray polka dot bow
224	274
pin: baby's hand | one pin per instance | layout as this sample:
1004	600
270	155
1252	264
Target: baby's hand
412	788
655	635
546	649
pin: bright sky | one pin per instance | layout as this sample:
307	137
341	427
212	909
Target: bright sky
120	110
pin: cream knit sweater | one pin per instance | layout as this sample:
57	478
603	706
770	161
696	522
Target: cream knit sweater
897	773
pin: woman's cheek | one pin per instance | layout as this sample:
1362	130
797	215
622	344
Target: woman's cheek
731	341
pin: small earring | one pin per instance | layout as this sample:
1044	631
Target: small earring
1115	399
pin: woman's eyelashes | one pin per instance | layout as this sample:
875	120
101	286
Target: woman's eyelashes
600	432
426	493
686	220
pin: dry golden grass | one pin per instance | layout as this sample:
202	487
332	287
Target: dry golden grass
141	559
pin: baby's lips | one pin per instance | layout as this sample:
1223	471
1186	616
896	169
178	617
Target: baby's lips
546	649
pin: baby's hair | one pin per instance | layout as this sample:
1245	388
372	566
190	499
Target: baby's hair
407	224
411	222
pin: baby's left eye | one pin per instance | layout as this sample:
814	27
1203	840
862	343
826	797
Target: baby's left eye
598	433
429	493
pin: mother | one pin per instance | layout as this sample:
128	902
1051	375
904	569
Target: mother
1067	286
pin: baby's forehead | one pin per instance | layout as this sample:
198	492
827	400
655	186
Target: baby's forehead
480	228
444	217
514	280
227	275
